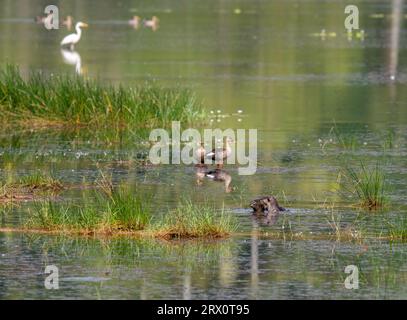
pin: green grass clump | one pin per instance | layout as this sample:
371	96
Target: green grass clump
120	211
397	230
39	181
125	211
368	184
190	220
27	187
63	100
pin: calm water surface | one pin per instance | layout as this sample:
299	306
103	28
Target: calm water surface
291	86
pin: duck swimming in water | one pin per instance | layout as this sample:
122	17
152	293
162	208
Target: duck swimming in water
266	205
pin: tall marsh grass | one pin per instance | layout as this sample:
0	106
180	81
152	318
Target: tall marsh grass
368	184
74	101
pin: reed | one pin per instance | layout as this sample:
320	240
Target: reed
368	184
73	101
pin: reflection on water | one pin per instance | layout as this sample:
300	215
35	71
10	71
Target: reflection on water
231	269
292	88
221	175
73	58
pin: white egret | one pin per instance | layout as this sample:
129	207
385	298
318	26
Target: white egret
74	38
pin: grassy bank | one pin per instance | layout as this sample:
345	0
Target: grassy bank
72	101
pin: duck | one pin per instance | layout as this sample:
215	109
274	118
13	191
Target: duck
200	153
267	205
153	23
68	22
221	176
221	154
73	38
45	20
135	22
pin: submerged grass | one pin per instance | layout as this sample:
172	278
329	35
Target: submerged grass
368	184
64	101
190	220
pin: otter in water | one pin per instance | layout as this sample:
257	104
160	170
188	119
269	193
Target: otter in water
266	205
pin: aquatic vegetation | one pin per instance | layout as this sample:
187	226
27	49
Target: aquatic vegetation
344	233
397	229
190	220
368	184
120	211
39	181
26	187
58	101
347	142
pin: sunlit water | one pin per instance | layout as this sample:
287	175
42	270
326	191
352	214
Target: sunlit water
253	56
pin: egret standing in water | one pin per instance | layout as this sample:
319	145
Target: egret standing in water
74	38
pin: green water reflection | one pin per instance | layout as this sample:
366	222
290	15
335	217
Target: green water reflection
290	86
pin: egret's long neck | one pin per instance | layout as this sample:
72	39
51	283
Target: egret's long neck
78	31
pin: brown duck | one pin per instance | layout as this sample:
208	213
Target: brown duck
153	23
266	205
221	154
135	22
200	153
